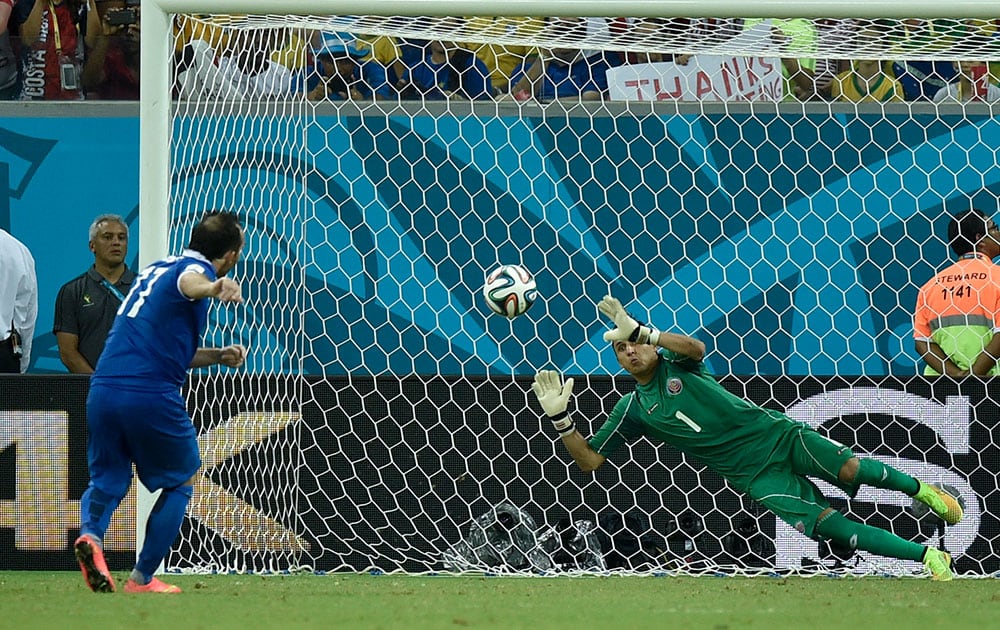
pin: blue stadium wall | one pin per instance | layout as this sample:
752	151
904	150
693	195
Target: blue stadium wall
65	164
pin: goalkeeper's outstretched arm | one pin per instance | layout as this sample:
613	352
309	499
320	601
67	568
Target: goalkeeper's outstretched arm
583	454
629	330
682	344
553	395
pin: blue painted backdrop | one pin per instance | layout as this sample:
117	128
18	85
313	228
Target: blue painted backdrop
791	244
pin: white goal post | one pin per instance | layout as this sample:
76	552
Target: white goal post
762	228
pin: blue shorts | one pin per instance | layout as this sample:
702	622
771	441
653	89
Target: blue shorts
150	429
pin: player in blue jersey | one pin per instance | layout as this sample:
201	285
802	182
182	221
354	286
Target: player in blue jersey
760	452
135	411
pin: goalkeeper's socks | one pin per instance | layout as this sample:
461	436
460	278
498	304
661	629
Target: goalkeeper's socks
161	529
835	526
96	508
872	472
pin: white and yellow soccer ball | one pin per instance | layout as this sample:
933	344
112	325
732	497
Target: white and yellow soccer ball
510	290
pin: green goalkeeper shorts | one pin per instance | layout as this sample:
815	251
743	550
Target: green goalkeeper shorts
783	486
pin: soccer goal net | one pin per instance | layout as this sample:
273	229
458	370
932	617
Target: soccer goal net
710	172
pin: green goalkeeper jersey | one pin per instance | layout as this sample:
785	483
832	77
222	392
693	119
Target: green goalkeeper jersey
686	407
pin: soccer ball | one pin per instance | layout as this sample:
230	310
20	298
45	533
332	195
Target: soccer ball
510	290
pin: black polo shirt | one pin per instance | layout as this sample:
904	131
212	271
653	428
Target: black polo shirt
85	307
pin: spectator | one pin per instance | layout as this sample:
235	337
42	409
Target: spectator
290	50
831	34
10	88
86	305
199	26
503	59
649	29
411	52
867	81
52	50
18	304
253	64
563	73
973	84
111	71
984	33
922	79
446	71
256	65
797	36
566	73
387	52
956	321
341	73
194	36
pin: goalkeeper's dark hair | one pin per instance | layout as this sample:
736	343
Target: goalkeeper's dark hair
216	234
966	229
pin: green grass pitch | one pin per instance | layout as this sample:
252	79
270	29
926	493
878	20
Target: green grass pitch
61	600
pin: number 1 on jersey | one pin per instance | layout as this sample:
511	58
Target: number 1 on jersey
686	419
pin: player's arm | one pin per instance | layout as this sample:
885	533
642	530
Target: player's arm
682	344
931	353
628	329
231	356
66	329
195	286
987	359
69	354
583	454
938	360
553	395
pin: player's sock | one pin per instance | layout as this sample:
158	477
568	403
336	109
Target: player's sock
161	529
96	508
872	472
837	527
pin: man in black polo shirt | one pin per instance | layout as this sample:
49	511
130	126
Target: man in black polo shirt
86	305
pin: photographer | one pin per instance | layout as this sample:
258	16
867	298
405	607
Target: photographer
112	68
52	54
9	87
18	304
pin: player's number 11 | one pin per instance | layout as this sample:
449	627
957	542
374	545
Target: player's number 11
146	283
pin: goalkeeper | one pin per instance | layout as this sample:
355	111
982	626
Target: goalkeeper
760	452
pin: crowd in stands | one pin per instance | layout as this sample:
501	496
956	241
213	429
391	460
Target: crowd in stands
89	49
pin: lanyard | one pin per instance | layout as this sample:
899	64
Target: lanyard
55	27
113	290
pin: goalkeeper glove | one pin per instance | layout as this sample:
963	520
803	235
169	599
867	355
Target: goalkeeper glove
626	328
553	395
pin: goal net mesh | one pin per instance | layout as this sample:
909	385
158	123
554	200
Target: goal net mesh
384	420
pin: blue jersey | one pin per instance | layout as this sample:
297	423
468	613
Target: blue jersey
583	75
157	329
468	76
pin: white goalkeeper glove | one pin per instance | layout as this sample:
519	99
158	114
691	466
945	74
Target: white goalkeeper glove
627	329
553	395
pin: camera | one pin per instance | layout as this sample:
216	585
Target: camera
122	17
68	75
